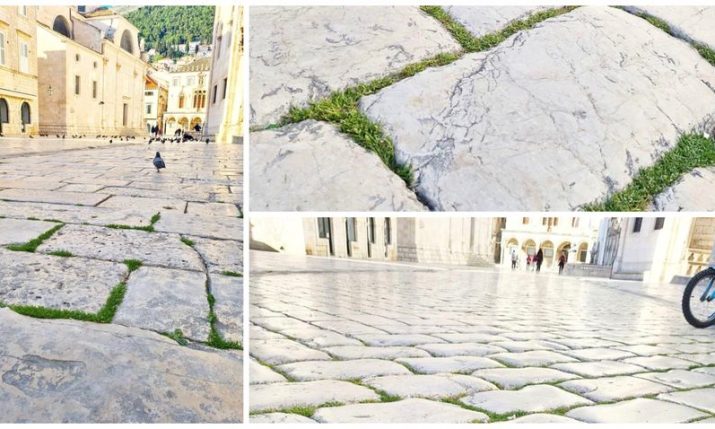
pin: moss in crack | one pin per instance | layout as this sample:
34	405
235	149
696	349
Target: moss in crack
133	264
177	336
231	274
216	340
187	241
33	244
61	253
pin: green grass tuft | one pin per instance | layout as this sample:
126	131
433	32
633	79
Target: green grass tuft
61	253
154	219
187	241
177	336
106	314
692	151
231	274
133	264
215	339
32	245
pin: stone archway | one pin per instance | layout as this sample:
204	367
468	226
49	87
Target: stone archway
25	115
529	247
564	248
582	252
126	42
183	123
548	248
61	26
4	113
194	122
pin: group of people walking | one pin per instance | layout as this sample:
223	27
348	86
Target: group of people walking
534	262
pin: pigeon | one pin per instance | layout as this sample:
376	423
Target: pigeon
207	141
159	163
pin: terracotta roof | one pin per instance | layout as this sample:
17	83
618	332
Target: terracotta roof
204	64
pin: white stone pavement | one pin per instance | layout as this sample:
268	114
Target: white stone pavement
103	204
355	341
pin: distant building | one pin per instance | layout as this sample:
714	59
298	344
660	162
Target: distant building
188	94
90	73
156	97
225	109
18	71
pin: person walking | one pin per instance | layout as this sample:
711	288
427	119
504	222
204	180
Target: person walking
513	259
562	262
539	259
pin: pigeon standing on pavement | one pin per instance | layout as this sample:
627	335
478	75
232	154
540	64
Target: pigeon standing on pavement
159	163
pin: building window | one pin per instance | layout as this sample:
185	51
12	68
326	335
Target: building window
225	84
125	114
556	221
659	222
4	112
574	222
351	228
24	57
371	229
637	224
181	101
94	89
94	64
388	232
199	99
525	221
76	85
213	98
218	47
324	227
76	57
2	48
175	82
22	10
148	108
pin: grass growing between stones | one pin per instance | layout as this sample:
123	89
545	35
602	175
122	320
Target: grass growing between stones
215	338
692	151
231	274
149	228
61	253
493	417
187	241
177	336
33	244
133	264
341	107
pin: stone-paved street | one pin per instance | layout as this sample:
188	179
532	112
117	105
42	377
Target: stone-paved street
148	264
554	117
354	341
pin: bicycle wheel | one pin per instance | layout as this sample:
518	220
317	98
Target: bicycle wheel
699	299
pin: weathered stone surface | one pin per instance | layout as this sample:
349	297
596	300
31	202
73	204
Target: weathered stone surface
599	369
300	54
342	370
463	349
226	228
67	371
117	245
279	418
658	363
405	411
260	374
474	131
514	378
482	20
165	300
22	231
434	365
321	156
702	399
687	193
598	354
213	209
228	292
316	337
614	388
530	399
279	351
418	386
75	214
532	358
529	345
397	340
55	197
57	282
541	418
636	411
680	378
150	203
366	352
688	22
276	396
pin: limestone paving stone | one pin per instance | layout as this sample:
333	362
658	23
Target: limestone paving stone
57	282
706	370
75	214
701	358
640	410
462	126
462	349
341	370
540	418
412	410
301	54
515	378
614	388
433	365
226	228
417	386
316	337
646	350
261	374
228	306
80	187
687	193
397	340
536	398
276	396
688	22
54	197
220	255
484	20
15	231
529	345
280	351
599	368
213	209
680	379
347	327
165	300
598	354
77	372
367	352
532	358
318	148
658	363
279	418
702	399
117	245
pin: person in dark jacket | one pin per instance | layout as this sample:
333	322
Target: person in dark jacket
539	259
562	262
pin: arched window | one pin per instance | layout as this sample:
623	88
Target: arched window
126	42
4	112
25	113
62	26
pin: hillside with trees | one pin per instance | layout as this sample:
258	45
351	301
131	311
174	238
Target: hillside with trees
165	27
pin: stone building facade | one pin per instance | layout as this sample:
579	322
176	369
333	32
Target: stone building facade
188	97
90	73
18	71
225	107
156	98
351	237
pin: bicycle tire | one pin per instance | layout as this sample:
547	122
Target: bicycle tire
694	321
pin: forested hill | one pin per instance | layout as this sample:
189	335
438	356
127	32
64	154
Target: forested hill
164	27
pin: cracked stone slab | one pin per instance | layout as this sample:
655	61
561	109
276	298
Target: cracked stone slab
638	410
279	418
15	231
405	411
75	214
165	300
301	54
57	282
434	365
228	293
422	386
117	245
689	22
599	368
54	197
483	20
280	351
533	399
226	228
220	255
367	352
687	193
515	378
606	107
322	157
614	388
702	399
64	371
276	396
532	358
261	374
681	379
342	370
